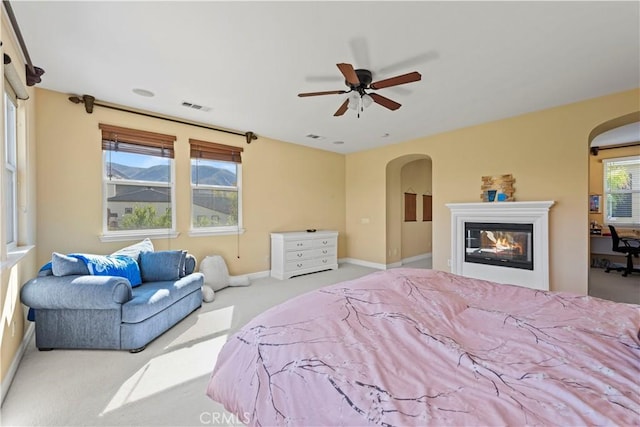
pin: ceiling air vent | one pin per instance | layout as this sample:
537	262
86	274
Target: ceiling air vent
195	106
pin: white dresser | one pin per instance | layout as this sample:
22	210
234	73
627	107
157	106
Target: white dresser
300	252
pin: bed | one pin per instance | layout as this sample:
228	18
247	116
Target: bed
415	347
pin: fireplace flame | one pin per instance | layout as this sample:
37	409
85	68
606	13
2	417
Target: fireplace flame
505	243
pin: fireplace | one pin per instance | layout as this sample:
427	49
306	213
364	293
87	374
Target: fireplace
502	244
486	237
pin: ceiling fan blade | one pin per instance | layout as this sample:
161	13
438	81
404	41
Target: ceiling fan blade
349	73
397	80
385	102
409	62
342	109
329	92
360	50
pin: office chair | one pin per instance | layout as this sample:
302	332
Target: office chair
628	246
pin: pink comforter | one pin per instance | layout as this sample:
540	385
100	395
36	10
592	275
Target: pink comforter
420	347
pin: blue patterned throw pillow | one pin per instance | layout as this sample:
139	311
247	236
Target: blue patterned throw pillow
112	265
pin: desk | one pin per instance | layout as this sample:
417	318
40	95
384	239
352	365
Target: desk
601	245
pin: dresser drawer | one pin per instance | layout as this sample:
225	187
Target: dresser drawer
295	245
301	264
326	261
298	255
328	251
323	243
311	253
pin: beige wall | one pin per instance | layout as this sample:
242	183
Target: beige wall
16	269
547	153
285	186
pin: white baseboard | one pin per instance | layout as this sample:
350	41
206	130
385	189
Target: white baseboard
8	379
378	266
362	263
416	258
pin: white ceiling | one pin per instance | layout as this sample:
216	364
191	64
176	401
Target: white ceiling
247	61
622	135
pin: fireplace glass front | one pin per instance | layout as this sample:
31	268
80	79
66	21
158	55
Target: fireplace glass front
503	244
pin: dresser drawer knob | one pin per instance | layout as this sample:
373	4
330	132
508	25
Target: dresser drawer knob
299	265
300	255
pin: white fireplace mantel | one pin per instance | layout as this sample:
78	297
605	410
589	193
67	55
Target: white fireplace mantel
535	213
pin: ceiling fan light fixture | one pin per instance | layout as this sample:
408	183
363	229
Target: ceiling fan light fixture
367	100
354	101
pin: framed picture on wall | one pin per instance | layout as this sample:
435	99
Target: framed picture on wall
595	203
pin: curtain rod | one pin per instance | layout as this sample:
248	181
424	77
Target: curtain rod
90	101
33	73
594	150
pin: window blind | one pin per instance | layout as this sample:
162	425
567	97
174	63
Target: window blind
116	138
214	151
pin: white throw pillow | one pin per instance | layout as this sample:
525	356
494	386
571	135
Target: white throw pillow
134	250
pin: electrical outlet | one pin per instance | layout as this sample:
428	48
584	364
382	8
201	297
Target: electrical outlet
448	263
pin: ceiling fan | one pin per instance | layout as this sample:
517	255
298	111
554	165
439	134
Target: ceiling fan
359	81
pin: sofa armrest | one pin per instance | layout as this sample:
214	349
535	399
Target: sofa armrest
196	277
76	292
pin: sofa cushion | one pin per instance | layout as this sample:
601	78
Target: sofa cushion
153	297
134	250
63	265
190	264
162	265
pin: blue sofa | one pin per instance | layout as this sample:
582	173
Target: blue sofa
96	311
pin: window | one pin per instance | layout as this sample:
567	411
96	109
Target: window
622	191
138	176
10	167
216	190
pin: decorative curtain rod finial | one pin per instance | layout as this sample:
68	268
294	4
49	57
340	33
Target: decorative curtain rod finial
87	100
88	103
250	137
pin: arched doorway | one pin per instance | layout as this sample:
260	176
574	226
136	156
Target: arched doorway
610	143
408	241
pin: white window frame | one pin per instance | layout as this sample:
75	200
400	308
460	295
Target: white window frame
634	191
110	235
10	167
218	230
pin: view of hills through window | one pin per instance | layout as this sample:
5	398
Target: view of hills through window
138	193
203	174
